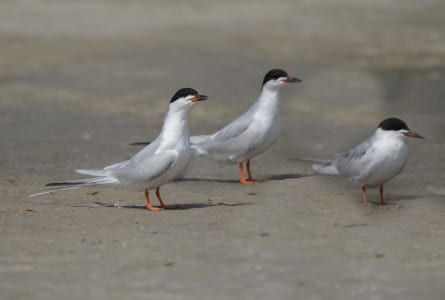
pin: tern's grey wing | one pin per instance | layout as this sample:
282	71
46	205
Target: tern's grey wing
147	151
354	162
235	128
229	143
144	169
145	165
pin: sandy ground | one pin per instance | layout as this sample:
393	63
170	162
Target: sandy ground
79	80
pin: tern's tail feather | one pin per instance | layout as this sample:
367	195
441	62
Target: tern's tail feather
140	143
198	143
326	168
74	184
98	172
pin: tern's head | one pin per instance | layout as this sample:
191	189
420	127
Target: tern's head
277	78
397	127
186	98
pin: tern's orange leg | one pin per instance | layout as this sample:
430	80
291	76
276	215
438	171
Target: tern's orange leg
365	198
241	173
149	206
248	170
381	195
158	195
243	179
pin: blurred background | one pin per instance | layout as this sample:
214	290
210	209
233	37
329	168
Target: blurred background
105	70
79	80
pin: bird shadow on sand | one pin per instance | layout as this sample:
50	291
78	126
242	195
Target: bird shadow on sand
182	206
403	197
284	176
194	179
307	160
391	200
273	177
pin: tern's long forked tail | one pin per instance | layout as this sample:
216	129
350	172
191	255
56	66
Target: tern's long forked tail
325	168
73	184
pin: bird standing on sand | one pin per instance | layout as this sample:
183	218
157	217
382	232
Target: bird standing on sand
252	133
376	160
156	164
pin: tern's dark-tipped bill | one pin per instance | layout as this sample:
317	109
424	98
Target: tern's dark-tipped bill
292	79
414	135
199	98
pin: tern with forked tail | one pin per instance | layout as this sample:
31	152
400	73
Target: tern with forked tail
160	162
376	160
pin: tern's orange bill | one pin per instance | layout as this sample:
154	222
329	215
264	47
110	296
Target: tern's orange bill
199	98
292	80
414	135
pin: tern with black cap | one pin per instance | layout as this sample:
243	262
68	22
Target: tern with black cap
252	133
153	166
376	160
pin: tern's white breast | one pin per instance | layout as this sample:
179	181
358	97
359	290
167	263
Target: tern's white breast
389	155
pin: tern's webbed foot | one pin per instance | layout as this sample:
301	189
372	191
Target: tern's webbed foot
154	208
247	181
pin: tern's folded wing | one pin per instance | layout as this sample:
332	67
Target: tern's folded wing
355	162
145	169
233	129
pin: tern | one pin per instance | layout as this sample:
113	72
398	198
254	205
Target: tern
153	166
376	160
252	133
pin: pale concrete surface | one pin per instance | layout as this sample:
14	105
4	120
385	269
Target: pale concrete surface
79	80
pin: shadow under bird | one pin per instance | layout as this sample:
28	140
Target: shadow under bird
249	135
376	160
163	160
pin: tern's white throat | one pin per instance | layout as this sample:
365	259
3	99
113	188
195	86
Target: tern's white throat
175	128
269	100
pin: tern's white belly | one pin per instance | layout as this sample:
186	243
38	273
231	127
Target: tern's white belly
385	164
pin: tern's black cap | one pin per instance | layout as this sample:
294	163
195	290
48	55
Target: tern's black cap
393	124
184	93
274	74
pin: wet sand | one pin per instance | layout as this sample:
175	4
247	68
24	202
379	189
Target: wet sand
79	81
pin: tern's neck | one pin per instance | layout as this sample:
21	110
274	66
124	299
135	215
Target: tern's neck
393	141
175	126
389	135
269	100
